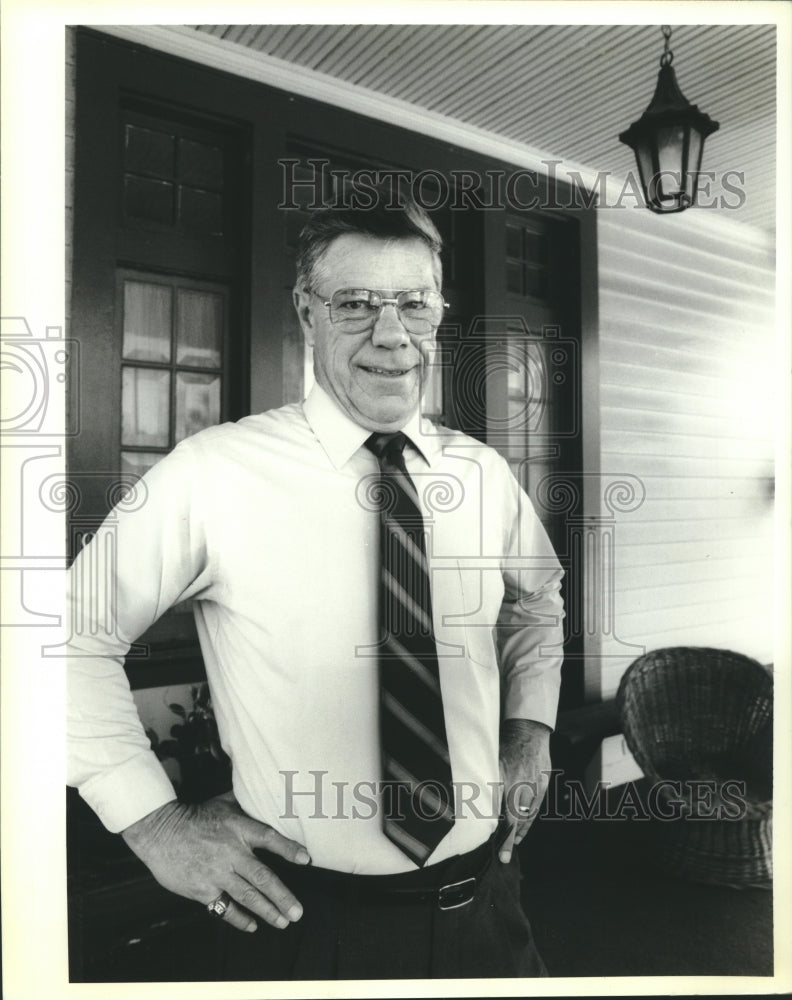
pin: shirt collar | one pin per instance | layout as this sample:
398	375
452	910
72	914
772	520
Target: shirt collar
340	436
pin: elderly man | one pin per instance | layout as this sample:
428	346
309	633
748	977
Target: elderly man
379	613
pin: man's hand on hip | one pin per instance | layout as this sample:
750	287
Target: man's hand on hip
525	774
200	851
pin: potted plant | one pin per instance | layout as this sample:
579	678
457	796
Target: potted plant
202	768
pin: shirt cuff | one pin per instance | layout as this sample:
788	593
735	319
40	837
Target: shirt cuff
535	702
128	792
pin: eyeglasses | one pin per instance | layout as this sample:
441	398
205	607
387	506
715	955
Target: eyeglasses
356	309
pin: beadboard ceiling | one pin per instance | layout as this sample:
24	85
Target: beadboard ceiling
565	90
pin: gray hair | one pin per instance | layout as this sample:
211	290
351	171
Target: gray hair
386	219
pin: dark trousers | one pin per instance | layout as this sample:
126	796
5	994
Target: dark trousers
347	935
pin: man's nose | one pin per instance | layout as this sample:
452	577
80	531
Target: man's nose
389	330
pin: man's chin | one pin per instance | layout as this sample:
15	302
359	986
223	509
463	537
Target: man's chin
386	420
384	426
386	415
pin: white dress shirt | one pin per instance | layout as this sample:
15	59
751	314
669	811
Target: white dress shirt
270	527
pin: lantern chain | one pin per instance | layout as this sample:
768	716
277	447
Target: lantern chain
668	56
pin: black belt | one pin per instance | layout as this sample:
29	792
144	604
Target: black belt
450	884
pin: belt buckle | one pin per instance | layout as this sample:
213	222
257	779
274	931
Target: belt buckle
457	894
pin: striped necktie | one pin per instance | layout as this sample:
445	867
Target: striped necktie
418	797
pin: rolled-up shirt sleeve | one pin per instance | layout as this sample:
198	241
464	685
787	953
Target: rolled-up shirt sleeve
149	554
530	625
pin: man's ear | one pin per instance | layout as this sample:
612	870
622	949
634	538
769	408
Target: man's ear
302	306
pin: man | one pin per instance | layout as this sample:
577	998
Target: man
381	624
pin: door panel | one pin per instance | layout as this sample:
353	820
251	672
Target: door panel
184	265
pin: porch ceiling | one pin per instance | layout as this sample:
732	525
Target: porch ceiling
565	90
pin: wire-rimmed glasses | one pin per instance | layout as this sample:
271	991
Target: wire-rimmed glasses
356	309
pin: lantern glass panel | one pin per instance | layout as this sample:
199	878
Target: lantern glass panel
670	142
695	151
645	159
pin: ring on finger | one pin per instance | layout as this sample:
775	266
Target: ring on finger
219	906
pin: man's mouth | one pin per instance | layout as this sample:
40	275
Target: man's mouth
392	372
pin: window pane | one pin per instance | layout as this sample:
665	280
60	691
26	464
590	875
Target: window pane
535	282
536	372
514	246
514	277
197	402
432	404
515	377
199	334
147	321
514	447
147	199
535	247
200	164
139	462
145	406
148	152
518	410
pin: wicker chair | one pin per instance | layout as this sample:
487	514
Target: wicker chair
705	715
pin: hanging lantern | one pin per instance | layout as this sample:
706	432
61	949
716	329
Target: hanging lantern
668	142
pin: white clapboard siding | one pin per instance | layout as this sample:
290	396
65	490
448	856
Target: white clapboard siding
650	556
695	572
665	465
686	405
